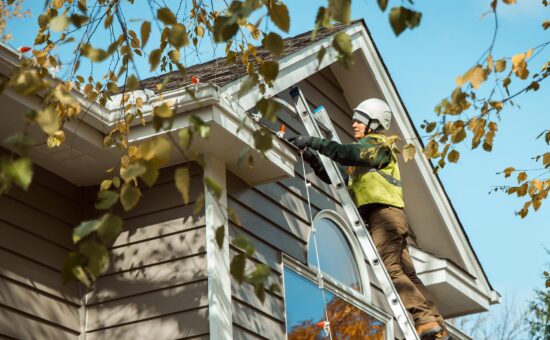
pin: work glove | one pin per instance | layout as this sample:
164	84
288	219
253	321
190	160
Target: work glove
301	142
311	157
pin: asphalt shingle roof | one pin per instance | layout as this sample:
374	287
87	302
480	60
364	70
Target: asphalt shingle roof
218	72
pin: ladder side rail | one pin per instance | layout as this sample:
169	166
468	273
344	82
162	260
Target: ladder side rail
359	228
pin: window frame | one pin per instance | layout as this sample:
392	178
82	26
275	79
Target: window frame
356	251
347	294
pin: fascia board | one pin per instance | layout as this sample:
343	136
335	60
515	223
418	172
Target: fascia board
293	68
439	198
433	270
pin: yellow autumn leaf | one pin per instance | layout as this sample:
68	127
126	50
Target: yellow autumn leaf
182	180
519	66
508	171
529	53
500	65
522	176
409	150
453	156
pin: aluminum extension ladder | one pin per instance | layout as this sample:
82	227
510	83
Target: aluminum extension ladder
315	123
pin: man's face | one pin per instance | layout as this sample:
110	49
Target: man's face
359	129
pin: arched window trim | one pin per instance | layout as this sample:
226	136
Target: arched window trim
357	255
344	292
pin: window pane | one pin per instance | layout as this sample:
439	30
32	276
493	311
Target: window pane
335	254
304	310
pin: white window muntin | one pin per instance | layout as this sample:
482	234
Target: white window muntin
356	252
343	292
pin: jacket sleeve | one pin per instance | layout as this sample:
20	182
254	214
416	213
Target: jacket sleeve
368	152
317	166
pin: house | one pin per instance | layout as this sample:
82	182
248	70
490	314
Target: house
167	277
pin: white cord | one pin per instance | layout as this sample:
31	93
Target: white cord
313	230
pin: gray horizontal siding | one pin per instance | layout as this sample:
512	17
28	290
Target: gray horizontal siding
35	238
156	285
181	325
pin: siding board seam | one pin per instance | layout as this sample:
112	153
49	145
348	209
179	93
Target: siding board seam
36	235
31	259
252	211
157	237
67	224
131	217
39	291
39	319
258	311
148	292
282	206
153	264
147	319
246	330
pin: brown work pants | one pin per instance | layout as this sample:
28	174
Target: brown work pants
389	230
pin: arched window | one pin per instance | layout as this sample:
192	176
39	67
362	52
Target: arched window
340	296
332	249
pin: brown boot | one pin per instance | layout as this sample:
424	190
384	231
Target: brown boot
429	331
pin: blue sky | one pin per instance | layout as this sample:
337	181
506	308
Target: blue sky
424	63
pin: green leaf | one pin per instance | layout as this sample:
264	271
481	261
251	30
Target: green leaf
105	184
269	70
340	10
177	36
129	196
145	32
163	111
109	228
198	207
132	83
220	236
97	255
279	15
185	137
200	126
47	120
402	18
263	140
151	175
342	44
268	107
21	172
157	149
166	16
96	55
106	199
383	4
321	54
132	171
224	28
250	81
84	229
59	23
244	243
154	59
274	43
213	186
73	270
182	179
237	267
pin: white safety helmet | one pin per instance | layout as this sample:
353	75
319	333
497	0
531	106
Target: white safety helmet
374	113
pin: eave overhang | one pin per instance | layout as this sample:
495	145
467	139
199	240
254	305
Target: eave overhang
83	160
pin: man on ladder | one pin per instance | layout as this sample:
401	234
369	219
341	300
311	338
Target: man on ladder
374	183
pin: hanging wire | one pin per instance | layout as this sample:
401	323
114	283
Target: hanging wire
314	231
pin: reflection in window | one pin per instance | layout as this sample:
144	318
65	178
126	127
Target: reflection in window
335	254
304	311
